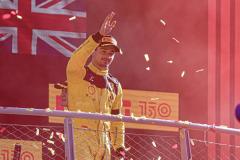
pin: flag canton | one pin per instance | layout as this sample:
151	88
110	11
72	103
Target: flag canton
58	26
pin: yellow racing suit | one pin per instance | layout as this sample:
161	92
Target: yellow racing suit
93	90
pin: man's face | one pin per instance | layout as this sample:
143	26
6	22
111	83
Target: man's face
103	57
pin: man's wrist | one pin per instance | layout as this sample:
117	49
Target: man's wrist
97	37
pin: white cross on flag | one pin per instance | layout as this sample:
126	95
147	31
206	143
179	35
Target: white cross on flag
42	26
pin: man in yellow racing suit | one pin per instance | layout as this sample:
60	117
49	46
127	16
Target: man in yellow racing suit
92	89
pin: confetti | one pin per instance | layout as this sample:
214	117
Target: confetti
143	117
19	17
52	151
154	144
163	22
154	99
48	110
72	18
136	118
58	133
176	40
6	16
184	122
148	68
183	74
37	131
49	141
46	129
63	138
14	13
35	146
200	70
192	142
60	136
146	57
223	126
2	130
175	146
159	158
30	109
128	149
122	153
51	136
170	61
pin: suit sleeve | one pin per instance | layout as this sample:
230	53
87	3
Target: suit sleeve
118	128
75	68
80	56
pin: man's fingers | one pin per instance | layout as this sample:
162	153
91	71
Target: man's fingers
113	24
111	15
107	24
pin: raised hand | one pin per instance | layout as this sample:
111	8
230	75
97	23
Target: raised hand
108	24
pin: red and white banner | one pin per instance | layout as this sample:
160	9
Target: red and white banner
135	103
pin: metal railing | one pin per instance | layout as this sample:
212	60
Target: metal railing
142	146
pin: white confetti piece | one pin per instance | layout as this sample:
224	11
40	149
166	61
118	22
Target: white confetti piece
14	13
52	151
72	18
132	114
223	126
163	22
154	99
148	68
183	74
46	129
175	146
176	40
49	141
2	129
200	70
192	142
30	109
60	136
6	16
19	17
48	110
35	146
159	158
51	135
170	61
184	122
136	118
154	144
37	131
63	138
146	57
143	117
